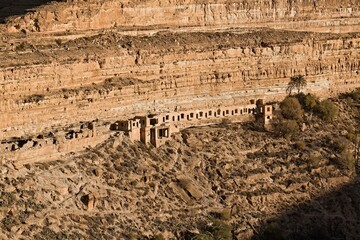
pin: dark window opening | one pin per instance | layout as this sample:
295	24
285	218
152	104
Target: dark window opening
153	122
163	132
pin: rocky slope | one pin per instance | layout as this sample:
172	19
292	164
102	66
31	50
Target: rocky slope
121	189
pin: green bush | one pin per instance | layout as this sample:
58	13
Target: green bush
286	128
307	101
339	144
224	214
291	109
326	110
345	158
219	230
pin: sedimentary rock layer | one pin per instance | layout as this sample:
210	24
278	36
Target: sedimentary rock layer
84	15
111	76
73	62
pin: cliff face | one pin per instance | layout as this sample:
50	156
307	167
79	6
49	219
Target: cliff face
78	61
85	15
71	68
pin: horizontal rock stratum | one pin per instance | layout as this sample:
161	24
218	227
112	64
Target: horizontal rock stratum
67	63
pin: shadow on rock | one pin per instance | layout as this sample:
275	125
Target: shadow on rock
10	8
335	215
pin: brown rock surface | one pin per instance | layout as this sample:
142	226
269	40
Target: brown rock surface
70	62
257	176
70	68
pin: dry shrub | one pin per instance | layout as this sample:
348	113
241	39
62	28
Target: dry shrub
291	109
300	145
342	147
326	110
286	128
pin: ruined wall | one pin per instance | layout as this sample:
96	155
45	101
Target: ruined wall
85	15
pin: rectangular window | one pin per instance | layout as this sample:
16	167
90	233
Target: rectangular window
153	121
163	132
167	117
236	111
182	116
210	113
